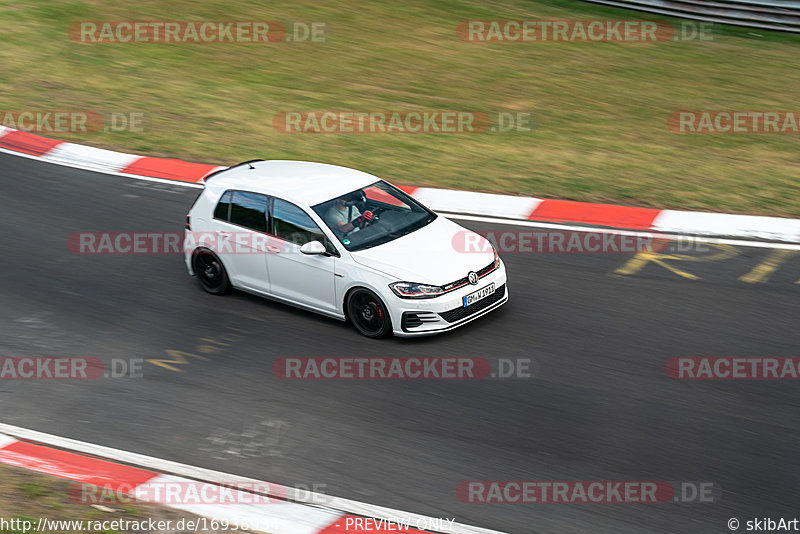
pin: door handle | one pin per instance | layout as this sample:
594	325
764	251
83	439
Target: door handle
273	249
223	235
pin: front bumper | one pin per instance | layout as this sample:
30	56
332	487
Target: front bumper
430	316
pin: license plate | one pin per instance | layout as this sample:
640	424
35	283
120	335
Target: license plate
478	295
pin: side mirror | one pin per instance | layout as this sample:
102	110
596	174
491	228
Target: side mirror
313	248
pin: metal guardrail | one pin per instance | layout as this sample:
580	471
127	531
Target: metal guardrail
767	14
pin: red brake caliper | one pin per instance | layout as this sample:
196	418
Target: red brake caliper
379	309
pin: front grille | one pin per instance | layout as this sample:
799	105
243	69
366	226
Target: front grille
486	270
456	314
464	281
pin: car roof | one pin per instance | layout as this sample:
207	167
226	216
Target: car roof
300	182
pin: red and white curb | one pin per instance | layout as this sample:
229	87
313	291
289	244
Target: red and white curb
448	201
293	512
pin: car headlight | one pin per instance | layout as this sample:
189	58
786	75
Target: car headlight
410	290
496	258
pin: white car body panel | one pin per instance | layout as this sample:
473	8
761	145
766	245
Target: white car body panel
250	269
425	256
317	289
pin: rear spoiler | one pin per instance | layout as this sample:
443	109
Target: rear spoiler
248	162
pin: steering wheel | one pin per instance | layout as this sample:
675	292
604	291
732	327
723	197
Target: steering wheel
375	219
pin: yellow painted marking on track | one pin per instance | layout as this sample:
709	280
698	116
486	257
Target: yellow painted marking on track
214	341
637	263
763	271
179	358
210	346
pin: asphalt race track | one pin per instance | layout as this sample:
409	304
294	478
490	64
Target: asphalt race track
600	406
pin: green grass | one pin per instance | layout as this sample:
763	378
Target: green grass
600	108
27	496
34	490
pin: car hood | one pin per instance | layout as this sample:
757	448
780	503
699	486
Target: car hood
434	254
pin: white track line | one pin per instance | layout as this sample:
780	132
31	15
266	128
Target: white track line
689	238
94	169
208	475
475	218
5	441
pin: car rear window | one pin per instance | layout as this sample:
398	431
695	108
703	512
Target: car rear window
223	209
247	209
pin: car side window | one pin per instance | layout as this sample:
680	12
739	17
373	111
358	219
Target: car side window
249	210
291	223
223	209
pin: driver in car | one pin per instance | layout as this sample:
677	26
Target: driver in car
345	217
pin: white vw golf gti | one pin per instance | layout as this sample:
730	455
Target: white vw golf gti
342	243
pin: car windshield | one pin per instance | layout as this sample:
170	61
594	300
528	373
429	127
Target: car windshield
394	214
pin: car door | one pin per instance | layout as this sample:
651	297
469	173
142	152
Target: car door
300	278
241	238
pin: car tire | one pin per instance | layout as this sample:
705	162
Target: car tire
210	272
368	313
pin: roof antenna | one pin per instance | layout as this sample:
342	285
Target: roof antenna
250	165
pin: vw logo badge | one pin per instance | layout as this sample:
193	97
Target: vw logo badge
472	277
